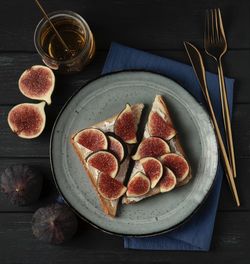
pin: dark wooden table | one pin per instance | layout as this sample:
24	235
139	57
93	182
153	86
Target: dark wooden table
158	26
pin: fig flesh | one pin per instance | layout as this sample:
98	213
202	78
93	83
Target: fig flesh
21	184
168	181
125	126
151	147
158	127
138	185
27	120
116	147
153	169
104	161
177	164
92	138
37	83
110	188
54	224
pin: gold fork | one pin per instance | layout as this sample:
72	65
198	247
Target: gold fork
216	46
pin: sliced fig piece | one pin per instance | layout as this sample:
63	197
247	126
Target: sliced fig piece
116	147
125	126
110	188
153	169
37	83
177	164
158	127
104	161
93	139
151	147
138	185
27	120
168	181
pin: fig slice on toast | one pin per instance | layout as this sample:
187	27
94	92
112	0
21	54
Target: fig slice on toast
92	138
168	181
138	185
158	127
153	169
125	126
116	147
151	147
110	188
177	164
104	161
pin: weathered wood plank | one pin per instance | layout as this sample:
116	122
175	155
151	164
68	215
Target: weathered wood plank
156	24
237	64
49	193
230	245
17	147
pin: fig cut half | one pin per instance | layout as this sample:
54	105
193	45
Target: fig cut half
37	83
177	164
151	147
27	120
138	185
110	188
116	147
92	138
125	126
153	169
168	181
104	161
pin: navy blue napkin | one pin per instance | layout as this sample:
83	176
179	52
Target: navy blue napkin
196	234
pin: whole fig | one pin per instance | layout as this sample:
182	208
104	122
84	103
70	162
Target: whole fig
21	184
54	224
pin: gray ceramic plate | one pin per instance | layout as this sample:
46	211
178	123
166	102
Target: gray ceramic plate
101	99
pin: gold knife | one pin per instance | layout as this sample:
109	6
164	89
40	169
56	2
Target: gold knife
199	69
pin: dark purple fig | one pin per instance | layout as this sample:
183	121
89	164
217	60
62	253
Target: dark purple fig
116	147
110	188
104	161
177	164
54	224
27	120
158	127
138	185
92	138
151	147
21	184
168	181
153	169
125	126
37	83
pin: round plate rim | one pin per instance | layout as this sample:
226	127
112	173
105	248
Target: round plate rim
72	207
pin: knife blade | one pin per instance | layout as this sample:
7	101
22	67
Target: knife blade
199	69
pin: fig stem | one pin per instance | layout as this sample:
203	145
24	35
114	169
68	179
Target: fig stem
53	27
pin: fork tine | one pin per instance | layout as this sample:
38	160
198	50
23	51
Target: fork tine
207	29
212	25
221	24
216	24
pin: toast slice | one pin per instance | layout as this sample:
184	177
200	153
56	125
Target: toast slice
173	146
107	126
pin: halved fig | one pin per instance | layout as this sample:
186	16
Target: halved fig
110	188
37	83
177	164
27	120
168	181
153	169
151	147
92	138
116	147
125	126
104	161
138	185
158	127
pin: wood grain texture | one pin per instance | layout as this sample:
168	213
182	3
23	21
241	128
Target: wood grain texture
146	24
230	244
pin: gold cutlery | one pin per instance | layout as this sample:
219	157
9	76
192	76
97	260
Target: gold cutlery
199	69
216	46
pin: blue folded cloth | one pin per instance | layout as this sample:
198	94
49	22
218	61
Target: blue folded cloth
195	234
